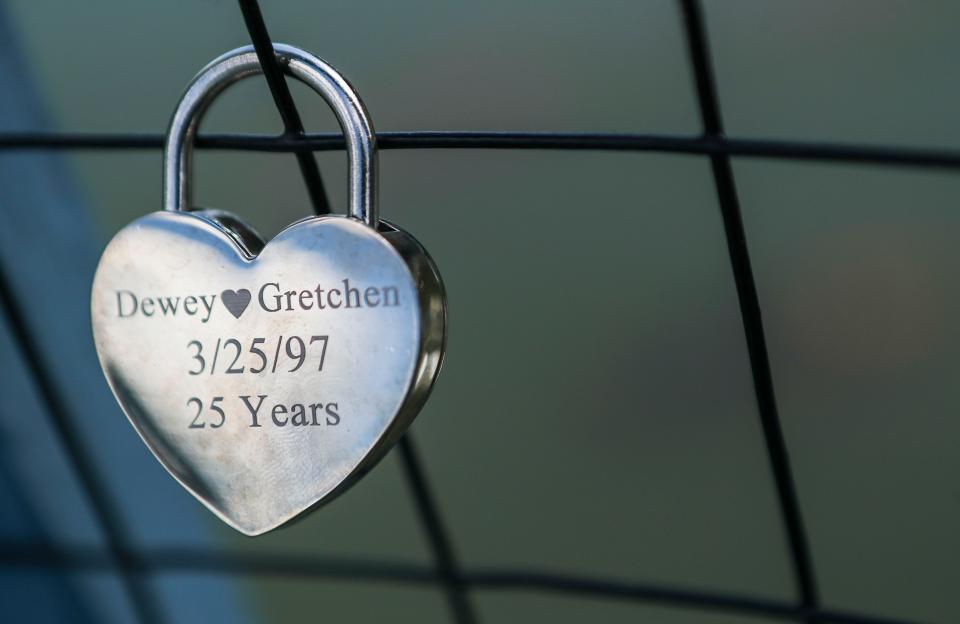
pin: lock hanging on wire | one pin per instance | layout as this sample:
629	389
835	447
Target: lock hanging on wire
267	377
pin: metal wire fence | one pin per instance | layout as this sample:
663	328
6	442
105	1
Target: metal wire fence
135	566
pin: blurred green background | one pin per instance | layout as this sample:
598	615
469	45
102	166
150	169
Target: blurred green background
604	424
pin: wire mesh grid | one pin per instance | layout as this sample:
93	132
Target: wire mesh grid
134	566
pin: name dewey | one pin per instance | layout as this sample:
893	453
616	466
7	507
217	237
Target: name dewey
270	297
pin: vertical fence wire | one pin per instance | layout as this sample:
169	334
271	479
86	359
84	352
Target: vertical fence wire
445	562
451	576
292	124
749	307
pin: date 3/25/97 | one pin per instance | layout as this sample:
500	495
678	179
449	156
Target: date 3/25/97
234	359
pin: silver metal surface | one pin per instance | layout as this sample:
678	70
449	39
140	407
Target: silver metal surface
267	378
317	74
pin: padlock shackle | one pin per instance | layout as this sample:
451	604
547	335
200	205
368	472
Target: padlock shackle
305	67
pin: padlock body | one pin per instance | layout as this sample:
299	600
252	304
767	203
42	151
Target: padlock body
267	378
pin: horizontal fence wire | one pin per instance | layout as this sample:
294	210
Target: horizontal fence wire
455	139
186	560
159	560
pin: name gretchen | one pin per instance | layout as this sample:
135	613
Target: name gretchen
273	299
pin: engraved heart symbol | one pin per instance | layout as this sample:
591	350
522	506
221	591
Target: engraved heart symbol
236	301
342	338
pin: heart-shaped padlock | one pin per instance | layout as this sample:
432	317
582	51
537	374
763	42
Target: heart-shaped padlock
267	378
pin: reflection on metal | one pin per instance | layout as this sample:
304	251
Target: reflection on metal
268	378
